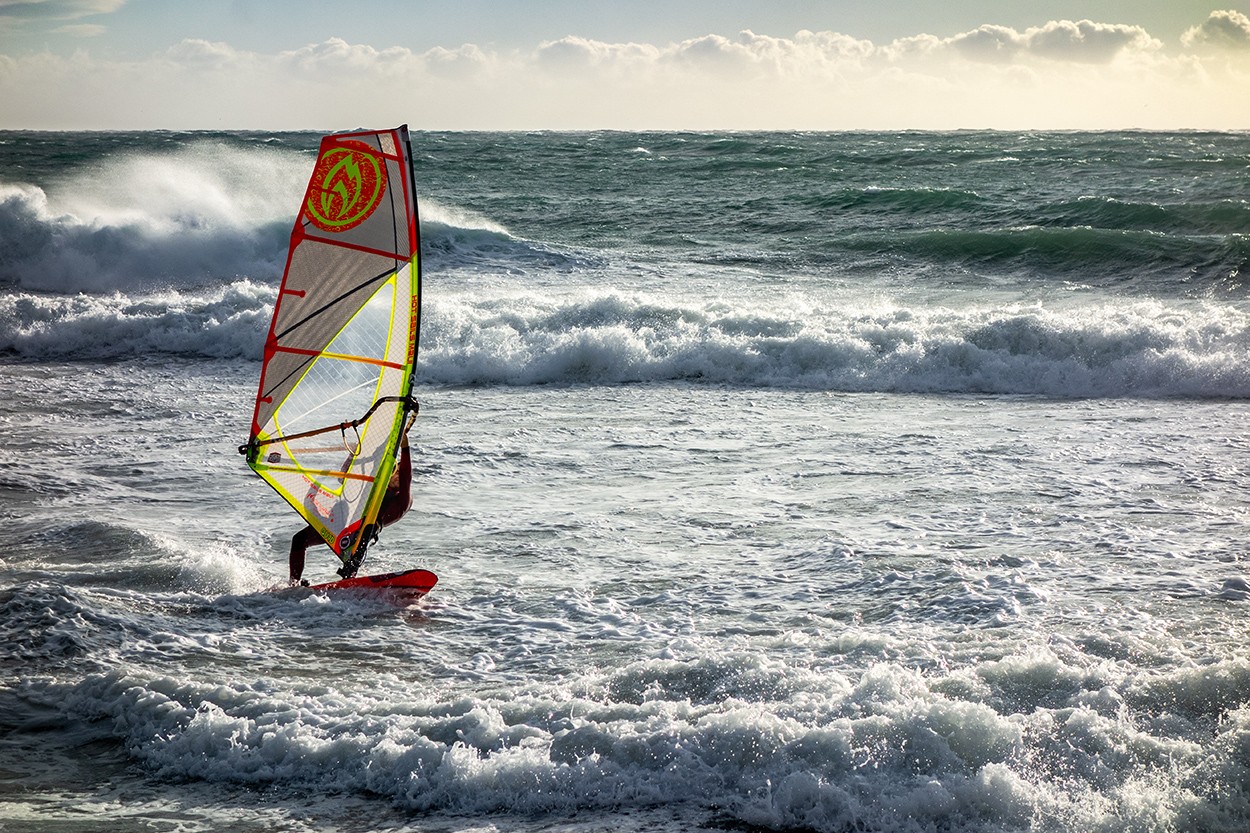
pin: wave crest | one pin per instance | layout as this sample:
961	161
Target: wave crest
1112	349
1101	348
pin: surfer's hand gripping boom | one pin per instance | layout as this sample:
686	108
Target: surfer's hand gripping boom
411	409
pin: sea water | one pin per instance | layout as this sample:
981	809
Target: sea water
832	482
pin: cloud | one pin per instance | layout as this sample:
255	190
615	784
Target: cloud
1088	42
745	54
749	52
466	62
1065	74
81	30
202	54
571	54
57	9
832	54
337	55
993	44
333	62
1081	41
1227	30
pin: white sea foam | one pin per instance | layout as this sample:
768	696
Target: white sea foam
1111	348
766	743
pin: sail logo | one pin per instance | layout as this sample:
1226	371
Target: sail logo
346	187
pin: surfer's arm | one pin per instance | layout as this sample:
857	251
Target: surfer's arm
403	494
405	469
398	498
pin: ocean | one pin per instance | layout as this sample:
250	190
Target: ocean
775	482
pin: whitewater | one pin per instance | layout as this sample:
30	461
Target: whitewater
775	481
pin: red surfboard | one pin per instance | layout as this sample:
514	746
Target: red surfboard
411	584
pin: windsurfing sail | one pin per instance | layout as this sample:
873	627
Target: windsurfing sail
337	374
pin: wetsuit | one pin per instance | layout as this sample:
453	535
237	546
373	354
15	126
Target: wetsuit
396	501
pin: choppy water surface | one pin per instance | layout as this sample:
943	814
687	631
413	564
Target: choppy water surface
798	482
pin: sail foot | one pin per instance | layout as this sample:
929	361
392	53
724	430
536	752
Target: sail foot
352	559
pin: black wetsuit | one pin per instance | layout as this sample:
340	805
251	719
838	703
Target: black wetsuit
395	503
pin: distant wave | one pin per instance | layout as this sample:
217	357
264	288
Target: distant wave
1143	348
453	238
1075	254
917	201
206	214
1221	217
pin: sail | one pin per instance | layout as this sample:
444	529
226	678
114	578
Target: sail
338	361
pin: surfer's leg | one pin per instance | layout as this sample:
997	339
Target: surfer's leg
299	545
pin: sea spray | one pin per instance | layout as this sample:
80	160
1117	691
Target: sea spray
190	217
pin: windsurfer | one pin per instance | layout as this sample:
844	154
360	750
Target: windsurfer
395	503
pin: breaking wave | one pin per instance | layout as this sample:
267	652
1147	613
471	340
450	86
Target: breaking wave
1139	348
203	216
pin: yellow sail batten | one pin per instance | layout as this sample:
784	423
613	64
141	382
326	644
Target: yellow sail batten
342	475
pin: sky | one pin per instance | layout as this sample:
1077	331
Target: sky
625	64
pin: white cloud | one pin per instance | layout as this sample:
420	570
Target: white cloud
746	54
993	44
1088	42
81	30
337	55
194	52
579	55
834	44
805	53
466	62
713	53
1222	30
1060	40
57	9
